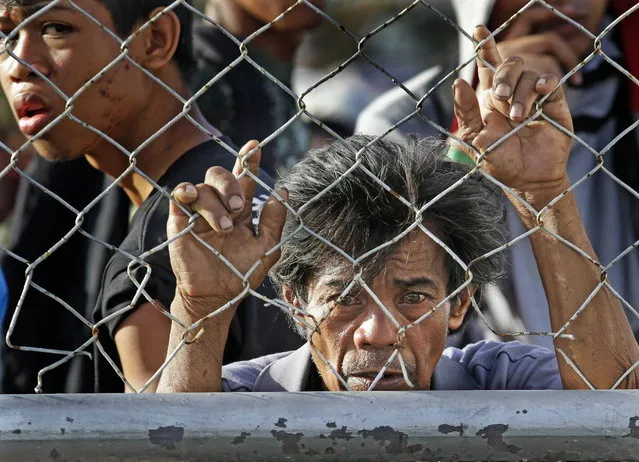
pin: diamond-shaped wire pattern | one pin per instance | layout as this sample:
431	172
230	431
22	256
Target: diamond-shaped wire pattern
140	270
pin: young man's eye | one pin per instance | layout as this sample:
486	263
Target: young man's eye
413	298
53	28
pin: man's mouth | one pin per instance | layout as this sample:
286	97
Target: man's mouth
391	380
33	113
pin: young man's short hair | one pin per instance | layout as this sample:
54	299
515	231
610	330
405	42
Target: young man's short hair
127	13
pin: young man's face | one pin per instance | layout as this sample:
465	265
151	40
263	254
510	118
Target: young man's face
358	338
588	13
69	49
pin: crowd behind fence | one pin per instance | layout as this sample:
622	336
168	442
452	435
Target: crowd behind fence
399	99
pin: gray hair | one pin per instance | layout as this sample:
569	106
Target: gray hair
358	215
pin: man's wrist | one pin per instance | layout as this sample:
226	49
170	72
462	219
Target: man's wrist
190	309
540	195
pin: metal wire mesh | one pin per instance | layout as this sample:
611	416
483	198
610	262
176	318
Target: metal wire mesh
244	56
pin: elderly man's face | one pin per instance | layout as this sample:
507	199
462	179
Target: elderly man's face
357	337
69	49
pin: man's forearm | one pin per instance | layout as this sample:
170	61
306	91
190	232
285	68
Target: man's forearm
197	366
604	346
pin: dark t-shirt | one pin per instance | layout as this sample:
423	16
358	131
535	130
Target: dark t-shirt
256	329
73	272
243	103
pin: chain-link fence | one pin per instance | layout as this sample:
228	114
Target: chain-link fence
605	188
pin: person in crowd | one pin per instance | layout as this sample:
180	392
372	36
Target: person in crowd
243	103
240	102
65	47
604	103
418	40
405	292
73	272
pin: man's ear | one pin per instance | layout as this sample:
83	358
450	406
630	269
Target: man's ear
460	308
289	296
155	46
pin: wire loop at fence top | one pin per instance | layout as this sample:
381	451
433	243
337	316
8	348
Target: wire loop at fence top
140	270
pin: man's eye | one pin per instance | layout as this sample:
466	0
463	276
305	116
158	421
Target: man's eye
413	298
347	300
54	28
5	32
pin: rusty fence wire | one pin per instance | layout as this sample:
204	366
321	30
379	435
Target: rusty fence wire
303	112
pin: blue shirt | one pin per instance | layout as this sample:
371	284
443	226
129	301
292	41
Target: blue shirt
483	365
4	298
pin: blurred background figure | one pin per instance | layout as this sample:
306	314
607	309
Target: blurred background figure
418	40
603	102
243	103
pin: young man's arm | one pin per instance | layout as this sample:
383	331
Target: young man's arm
532	162
142	340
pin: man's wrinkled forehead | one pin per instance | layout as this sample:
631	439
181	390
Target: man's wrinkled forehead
414	254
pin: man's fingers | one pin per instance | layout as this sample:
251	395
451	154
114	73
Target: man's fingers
506	77
212	210
185	194
556	106
467	111
524	96
487	56
227	187
271	224
249	159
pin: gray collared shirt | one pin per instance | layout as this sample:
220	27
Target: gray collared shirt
480	366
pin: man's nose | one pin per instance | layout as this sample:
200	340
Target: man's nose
26	57
377	330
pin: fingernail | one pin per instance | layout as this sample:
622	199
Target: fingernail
226	223
190	189
516	111
542	81
503	90
283	192
236	203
